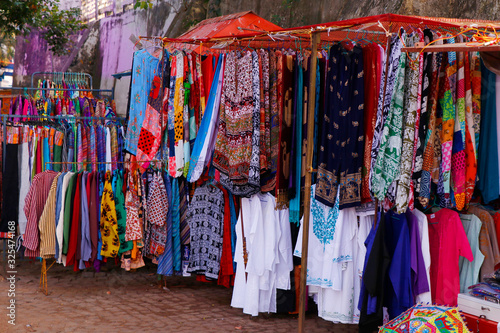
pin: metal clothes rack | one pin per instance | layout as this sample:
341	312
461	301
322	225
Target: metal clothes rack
112	91
67	117
117	162
45	269
70	76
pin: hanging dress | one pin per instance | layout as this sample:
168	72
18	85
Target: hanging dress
109	225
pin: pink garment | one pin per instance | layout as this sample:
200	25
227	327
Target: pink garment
448	242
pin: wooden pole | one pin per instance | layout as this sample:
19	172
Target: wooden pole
315	37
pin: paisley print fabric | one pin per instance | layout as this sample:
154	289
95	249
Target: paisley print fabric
233	147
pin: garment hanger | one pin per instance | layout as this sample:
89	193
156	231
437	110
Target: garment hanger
432	203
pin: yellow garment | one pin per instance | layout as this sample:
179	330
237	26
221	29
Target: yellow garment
109	225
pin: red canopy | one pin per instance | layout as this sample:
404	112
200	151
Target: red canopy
229	25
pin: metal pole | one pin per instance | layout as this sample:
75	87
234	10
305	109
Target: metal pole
315	37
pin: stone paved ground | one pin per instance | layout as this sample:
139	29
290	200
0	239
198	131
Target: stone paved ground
119	301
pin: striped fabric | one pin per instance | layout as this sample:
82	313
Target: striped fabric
175	225
85	154
93	149
46	224
102	148
33	208
165	262
183	207
114	147
80	156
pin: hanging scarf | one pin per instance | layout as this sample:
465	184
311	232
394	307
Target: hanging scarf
268	179
245	182
185	116
292	181
233	148
447	101
172	162
297	174
458	157
424	113
205	140
404	198
265	113
194	99
473	110
475	68
470	153
254	168
150	134
179	116
285	99
386	167
385	99
372	62
134	225
176	245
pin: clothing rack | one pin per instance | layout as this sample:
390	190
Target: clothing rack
63	75
43	275
112	91
122	119
118	162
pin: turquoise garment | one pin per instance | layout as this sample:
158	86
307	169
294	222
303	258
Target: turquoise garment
46	165
234	220
487	168
176	225
295	202
121	213
144	68
469	271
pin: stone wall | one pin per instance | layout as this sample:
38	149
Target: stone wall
107	46
290	13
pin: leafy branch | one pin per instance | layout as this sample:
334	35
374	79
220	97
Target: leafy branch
20	17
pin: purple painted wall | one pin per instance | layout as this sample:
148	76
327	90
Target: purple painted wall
104	49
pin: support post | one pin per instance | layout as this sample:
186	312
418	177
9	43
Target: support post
315	38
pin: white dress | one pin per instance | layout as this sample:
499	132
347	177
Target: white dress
246	290
330	263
